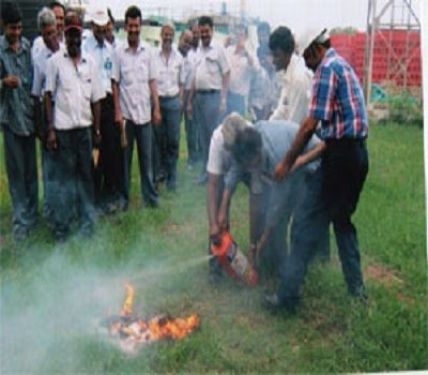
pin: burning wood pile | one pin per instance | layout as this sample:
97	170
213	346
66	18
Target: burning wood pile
132	332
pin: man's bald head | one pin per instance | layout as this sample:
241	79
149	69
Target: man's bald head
185	42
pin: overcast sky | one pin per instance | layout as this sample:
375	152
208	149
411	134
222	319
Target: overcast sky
296	14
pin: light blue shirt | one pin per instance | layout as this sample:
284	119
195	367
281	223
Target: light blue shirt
102	54
277	138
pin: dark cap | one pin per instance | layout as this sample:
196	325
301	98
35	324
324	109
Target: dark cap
72	21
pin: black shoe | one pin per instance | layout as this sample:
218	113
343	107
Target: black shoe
275	305
152	204
361	297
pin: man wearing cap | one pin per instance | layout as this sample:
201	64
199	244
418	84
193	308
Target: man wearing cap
209	88
16	120
337	101
73	83
47	25
170	87
108	171
134	82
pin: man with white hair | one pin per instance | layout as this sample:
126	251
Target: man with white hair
219	163
255	151
46	22
108	171
59	11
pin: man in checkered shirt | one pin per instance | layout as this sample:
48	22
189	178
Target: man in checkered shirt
338	103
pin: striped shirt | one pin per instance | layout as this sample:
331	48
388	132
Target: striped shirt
337	99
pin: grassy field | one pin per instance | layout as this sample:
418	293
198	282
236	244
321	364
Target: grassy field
52	297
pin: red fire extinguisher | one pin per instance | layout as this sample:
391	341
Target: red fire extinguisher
234	262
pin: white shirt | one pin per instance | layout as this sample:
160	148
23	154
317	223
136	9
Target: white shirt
39	46
133	69
74	88
219	159
102	54
293	104
240	71
170	73
43	53
189	68
210	66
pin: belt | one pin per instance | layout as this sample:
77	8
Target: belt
168	97
210	91
345	141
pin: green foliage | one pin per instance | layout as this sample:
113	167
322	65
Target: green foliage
52	297
405	109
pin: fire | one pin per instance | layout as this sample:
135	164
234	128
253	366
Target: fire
128	305
131	331
169	328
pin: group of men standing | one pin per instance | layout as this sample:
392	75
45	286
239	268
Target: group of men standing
90	98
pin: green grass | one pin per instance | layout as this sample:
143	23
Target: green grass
51	297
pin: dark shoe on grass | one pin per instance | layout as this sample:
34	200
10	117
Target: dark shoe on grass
275	305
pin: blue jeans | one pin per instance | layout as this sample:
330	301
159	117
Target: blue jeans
235	103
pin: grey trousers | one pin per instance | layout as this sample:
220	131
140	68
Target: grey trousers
21	170
72	186
206	113
142	134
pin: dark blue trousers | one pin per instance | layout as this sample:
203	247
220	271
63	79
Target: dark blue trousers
167	140
72	185
142	135
332	197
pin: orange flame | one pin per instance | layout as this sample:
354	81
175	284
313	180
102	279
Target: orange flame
128	304
169	328
139	331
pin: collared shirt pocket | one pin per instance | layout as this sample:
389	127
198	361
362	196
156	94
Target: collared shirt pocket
86	81
212	63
